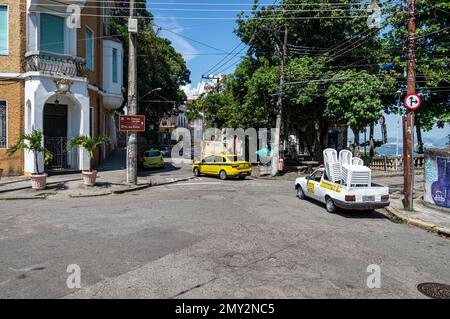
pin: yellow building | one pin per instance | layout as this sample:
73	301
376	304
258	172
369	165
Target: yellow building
60	73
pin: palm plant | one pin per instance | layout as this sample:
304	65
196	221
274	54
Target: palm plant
32	142
88	143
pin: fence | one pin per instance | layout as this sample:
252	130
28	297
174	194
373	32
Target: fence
392	163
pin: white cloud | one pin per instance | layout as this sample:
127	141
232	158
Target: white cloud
180	44
194	92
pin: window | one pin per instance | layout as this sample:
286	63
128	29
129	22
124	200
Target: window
114	65
152	154
317	176
51	33
89	49
3	30
3	124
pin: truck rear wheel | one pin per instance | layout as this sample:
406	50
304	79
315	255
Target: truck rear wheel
331	207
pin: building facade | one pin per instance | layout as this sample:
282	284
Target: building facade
60	73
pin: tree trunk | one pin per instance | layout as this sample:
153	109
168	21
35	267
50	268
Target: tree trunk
419	138
371	143
345	138
36	163
356	142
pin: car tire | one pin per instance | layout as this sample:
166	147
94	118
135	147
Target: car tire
331	207
223	175
300	193
196	172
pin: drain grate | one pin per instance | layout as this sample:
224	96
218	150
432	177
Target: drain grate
434	290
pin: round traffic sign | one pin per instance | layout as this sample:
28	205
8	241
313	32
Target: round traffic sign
412	102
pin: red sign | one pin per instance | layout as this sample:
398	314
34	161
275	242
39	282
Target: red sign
413	102
132	123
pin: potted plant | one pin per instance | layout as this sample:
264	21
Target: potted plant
89	144
32	142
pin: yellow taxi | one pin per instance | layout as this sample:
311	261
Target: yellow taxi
222	165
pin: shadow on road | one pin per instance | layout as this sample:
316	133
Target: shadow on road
351	214
169	167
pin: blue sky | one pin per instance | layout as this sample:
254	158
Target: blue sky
203	37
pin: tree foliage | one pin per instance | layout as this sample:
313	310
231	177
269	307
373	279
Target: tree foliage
159	65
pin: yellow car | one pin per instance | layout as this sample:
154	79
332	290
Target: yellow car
222	165
152	159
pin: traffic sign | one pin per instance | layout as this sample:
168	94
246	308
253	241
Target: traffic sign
413	102
132	123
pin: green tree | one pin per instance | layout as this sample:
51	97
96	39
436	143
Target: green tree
432	58
159	65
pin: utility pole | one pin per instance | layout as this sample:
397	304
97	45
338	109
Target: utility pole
132	100
276	140
408	168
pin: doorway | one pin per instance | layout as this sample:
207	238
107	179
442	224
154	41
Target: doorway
55	135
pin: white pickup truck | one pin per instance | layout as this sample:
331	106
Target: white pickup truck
335	195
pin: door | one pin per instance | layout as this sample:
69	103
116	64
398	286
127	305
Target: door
313	185
207	165
55	134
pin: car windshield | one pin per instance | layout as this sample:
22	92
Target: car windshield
232	158
152	154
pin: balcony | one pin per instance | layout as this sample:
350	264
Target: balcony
55	64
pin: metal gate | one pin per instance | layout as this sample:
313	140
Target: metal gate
58	147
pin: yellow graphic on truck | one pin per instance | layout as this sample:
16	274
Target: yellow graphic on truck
331	186
310	187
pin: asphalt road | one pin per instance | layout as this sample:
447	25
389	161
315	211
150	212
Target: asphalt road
206	238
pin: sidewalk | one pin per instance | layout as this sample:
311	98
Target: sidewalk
111	180
432	219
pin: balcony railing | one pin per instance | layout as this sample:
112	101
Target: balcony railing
55	64
392	163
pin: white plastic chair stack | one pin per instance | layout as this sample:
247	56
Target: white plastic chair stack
355	176
345	157
357	161
332	165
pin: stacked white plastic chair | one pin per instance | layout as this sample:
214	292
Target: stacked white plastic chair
332	165
354	173
345	157
357	161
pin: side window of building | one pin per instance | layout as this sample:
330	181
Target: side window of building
114	66
3	30
89	49
3	125
51	33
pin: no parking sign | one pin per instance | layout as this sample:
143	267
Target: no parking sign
412	102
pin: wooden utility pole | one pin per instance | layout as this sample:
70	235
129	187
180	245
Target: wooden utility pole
132	102
408	168
276	138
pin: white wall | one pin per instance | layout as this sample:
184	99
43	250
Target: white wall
39	90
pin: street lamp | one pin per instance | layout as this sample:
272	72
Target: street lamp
154	90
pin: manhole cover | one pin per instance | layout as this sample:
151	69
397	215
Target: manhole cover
435	290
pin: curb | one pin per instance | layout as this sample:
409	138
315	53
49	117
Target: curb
128	190
443	231
23	197
90	195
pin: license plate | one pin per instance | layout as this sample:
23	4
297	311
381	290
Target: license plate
368	198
